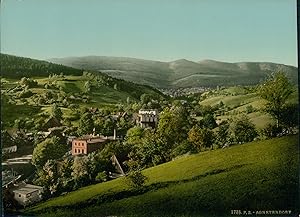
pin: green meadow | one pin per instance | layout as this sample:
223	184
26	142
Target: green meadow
261	175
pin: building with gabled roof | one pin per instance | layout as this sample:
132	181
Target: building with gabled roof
26	194
89	143
147	118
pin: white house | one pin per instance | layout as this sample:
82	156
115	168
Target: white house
147	118
10	149
26	194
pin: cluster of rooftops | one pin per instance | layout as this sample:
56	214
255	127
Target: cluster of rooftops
26	194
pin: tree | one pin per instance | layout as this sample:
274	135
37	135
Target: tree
49	149
276	91
136	179
145	98
151	150
56	112
65	173
201	137
86	124
209	121
134	135
19	124
48	177
290	115
223	132
173	125
244	130
80	171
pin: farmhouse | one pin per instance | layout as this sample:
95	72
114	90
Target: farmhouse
147	118
26	194
89	143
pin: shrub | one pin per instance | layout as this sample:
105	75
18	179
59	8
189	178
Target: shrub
250	109
101	177
25	94
135	179
271	130
183	148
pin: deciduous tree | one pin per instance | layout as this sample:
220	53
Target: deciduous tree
244	130
49	149
201	137
276	91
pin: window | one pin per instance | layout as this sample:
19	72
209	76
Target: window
82	151
75	143
19	195
75	150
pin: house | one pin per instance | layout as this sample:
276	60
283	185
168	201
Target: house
147	118
7	139
10	149
119	172
26	194
89	143
52	122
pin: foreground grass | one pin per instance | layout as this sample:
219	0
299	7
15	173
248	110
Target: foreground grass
255	176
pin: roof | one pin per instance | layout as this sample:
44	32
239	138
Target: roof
26	188
92	139
148	112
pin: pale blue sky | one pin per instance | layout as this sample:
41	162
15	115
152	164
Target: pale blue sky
225	30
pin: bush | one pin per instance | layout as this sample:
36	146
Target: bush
183	148
250	109
28	82
25	94
135	179
101	177
271	130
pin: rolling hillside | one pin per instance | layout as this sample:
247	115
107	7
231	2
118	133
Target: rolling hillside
205	184
179	73
68	85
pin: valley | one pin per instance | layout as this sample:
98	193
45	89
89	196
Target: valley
99	145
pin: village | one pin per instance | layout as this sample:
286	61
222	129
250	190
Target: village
63	144
15	184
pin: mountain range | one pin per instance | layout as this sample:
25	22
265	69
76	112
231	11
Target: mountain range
181	73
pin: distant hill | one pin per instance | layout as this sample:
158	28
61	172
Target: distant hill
17	67
112	91
180	73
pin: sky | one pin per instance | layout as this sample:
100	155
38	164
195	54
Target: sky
165	30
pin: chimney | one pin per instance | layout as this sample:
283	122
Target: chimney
115	133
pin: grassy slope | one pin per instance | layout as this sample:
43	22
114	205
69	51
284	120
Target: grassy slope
100	97
239	100
256	176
